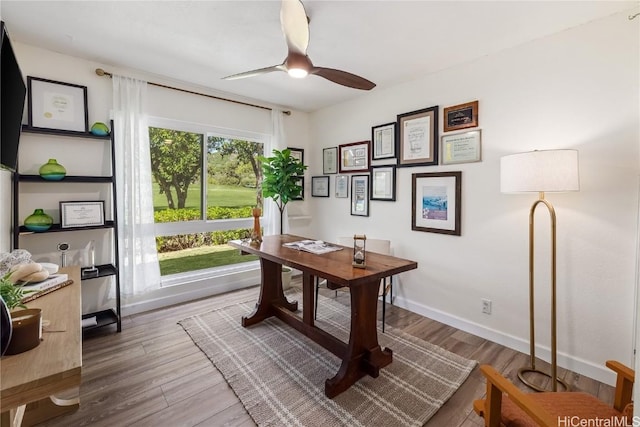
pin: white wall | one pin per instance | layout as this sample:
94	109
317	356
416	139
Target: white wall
576	89
91	158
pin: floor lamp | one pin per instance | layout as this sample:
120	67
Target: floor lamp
541	171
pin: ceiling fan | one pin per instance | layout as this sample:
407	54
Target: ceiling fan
295	26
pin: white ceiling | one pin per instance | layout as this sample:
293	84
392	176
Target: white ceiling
387	42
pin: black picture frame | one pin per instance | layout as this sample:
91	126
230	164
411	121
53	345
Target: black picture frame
418	138
320	186
78	214
57	105
383	183
330	160
297	153
360	195
300	180
436	202
383	141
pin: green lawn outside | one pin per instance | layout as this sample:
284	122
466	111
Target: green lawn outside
206	256
200	258
217	195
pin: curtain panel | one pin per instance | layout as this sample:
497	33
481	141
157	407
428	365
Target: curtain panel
139	268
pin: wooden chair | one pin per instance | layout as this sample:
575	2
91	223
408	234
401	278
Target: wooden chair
506	405
380	246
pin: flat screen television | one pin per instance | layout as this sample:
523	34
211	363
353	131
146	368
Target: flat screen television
12	97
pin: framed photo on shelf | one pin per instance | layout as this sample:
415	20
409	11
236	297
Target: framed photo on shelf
461	116
342	186
383	141
320	186
383	183
354	157
297	153
300	182
57	105
461	147
436	202
418	137
360	195
81	214
330	160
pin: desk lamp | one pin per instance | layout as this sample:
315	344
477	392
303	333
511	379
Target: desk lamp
541	171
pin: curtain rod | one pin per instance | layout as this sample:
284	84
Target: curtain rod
101	72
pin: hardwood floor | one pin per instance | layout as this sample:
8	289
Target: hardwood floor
152	374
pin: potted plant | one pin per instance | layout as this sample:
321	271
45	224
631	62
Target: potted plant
26	324
280	176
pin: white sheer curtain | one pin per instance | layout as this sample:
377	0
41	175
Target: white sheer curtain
139	268
276	142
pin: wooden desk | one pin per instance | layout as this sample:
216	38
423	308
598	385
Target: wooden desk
37	375
362	355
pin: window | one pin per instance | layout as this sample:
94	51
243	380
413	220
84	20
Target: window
205	182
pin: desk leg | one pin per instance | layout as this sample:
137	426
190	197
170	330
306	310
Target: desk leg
364	355
270	294
48	408
308	296
12	417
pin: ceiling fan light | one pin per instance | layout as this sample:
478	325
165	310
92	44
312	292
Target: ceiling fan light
298	73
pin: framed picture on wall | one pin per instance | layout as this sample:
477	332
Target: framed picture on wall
297	153
462	147
354	157
383	141
342	186
436	202
418	137
383	183
461	116
360	195
330	160
320	186
300	182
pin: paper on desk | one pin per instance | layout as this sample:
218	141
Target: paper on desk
313	246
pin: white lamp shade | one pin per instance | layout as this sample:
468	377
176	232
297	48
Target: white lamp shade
540	171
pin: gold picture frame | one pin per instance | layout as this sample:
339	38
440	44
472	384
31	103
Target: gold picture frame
461	116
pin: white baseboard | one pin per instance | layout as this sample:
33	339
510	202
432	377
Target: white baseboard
584	367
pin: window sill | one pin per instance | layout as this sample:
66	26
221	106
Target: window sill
209	273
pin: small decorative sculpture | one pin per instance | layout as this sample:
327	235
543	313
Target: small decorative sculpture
359	252
91	270
256	234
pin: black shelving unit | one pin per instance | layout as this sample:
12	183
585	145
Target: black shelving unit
110	316
55	228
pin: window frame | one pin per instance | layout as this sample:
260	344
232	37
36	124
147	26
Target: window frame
204	225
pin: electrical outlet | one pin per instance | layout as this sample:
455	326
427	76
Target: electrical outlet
486	306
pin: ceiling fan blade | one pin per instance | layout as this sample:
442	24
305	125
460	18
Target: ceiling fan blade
295	26
343	78
257	72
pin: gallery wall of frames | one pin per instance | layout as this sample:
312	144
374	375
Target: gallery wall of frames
366	170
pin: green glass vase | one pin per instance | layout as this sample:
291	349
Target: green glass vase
52	171
38	221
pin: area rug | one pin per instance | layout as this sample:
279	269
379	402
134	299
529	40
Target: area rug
279	374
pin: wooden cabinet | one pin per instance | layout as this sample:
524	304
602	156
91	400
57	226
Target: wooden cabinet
27	184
